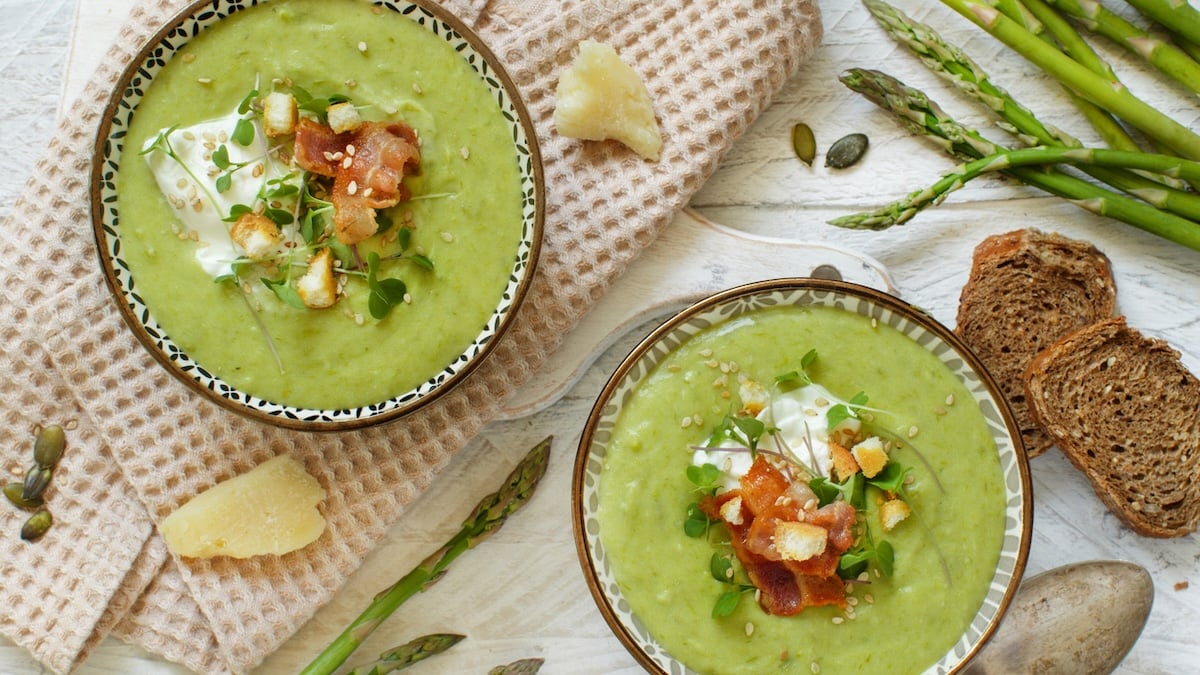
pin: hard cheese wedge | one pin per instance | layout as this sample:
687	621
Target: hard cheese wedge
271	509
599	97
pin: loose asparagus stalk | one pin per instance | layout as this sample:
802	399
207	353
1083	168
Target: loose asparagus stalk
916	111
904	209
1116	99
409	653
489	515
1047	24
1178	17
1168	59
522	667
953	64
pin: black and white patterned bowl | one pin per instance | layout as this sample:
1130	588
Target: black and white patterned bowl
807	292
205	14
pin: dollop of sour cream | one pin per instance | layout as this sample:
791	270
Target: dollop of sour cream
188	181
800	416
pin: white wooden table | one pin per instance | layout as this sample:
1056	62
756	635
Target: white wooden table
526	595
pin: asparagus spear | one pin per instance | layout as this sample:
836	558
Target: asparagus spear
1168	59
1178	17
1116	99
522	667
951	63
902	210
489	515
409	653
916	111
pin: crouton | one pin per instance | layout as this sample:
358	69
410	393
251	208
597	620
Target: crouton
870	455
343	117
317	287
799	541
731	511
279	114
257	234
892	512
844	464
754	398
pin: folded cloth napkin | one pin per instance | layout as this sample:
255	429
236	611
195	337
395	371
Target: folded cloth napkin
141	443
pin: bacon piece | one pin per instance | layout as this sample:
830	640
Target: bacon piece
367	166
785	587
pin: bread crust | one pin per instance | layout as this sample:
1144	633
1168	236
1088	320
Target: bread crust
1026	289
1126	412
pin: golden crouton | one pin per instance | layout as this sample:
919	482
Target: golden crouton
343	117
844	465
870	455
317	287
754	398
279	114
257	234
892	512
731	511
799	541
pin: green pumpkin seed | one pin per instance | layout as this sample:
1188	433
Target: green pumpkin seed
846	151
36	482
37	525
13	492
804	143
49	446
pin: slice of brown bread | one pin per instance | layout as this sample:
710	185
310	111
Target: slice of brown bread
1124	409
1027	289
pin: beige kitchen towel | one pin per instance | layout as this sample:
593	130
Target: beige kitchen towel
140	443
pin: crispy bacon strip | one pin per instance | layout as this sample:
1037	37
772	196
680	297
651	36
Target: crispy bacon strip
785	587
367	166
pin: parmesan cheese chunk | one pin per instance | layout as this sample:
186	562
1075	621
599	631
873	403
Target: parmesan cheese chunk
600	97
272	509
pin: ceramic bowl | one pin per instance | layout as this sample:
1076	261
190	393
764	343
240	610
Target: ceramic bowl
711	316
142	317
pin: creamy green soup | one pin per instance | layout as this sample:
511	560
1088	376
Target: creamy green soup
466	212
945	554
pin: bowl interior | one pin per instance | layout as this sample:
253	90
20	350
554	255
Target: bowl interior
109	229
607	588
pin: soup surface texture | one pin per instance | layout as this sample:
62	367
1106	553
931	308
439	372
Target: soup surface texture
944	555
465	213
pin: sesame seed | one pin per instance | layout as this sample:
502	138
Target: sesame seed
821	401
912	431
362	47
352	188
350	149
685	422
181	183
852	601
814	667
447	237
950	399
465	152
188	58
939	411
358	319
733	366
347	162
749	629
258	170
367	192
724	367
674	367
417	88
706	353
189	136
711	363
351	83
874	322
838	620
204	80
408	298
869	598
726	395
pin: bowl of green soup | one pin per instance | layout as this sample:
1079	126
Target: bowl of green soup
801	476
322	214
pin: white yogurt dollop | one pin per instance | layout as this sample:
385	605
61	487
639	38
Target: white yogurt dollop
198	205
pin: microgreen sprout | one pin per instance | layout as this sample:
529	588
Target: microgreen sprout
385	293
722	570
843	411
799	377
707	478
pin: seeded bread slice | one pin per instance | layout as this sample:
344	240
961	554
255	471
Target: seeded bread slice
1027	289
1124	410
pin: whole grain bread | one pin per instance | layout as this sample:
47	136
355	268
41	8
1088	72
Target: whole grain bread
1124	410
1027	289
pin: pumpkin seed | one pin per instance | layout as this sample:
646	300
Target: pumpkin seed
36	482
846	150
49	446
13	492
37	525
804	143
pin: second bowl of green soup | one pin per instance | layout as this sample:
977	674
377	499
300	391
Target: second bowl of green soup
801	475
322	214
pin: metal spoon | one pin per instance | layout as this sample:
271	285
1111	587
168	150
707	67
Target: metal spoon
1078	618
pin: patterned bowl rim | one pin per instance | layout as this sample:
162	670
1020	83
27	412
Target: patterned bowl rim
158	50
866	301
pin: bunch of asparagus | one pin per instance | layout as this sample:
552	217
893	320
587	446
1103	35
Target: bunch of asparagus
1149	188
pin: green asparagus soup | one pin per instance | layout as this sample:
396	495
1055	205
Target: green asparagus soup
945	553
451	247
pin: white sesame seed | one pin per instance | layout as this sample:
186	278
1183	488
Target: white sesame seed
417	88
367	192
358	319
685	422
950	399
706	353
749	629
352	188
362	47
350	149
869	598
408	298
465	152
204	80
347	162
912	431
838	620
447	237
814	667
